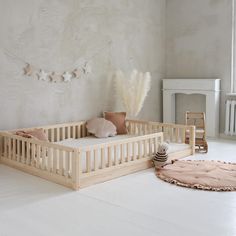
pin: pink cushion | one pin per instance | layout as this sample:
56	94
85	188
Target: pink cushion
38	134
118	119
35	133
101	128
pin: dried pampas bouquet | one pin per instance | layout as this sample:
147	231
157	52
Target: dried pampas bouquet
133	90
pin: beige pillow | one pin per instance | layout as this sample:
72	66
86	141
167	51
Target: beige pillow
23	134
101	128
118	119
35	133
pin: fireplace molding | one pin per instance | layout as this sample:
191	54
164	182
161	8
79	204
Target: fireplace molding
210	87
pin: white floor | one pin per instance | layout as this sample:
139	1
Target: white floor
137	204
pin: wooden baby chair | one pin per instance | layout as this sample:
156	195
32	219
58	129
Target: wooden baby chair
198	120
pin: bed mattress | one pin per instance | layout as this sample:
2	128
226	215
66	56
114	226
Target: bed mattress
91	140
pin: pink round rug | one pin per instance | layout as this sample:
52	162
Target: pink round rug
205	175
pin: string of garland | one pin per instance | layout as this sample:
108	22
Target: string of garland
42	75
30	70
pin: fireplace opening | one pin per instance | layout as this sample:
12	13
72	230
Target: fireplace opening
194	94
188	102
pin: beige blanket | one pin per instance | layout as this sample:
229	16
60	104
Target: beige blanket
206	175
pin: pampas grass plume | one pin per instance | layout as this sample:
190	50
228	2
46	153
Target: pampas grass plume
133	90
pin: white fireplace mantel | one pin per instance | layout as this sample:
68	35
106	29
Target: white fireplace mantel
210	87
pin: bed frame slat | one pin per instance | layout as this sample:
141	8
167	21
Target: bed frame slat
32	154
55	160
88	161
43	156
102	158
95	159
109	156
122	153
115	155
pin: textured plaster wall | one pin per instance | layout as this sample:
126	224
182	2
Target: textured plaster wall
54	34
198	44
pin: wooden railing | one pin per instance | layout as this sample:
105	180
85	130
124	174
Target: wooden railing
56	133
65	165
69	166
51	158
172	132
114	153
65	131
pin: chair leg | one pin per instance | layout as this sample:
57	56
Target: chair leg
206	147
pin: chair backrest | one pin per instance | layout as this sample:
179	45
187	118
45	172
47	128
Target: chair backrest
195	118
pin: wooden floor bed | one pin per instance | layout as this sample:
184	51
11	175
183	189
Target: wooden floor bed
77	165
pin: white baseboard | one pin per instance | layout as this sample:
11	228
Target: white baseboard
229	137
